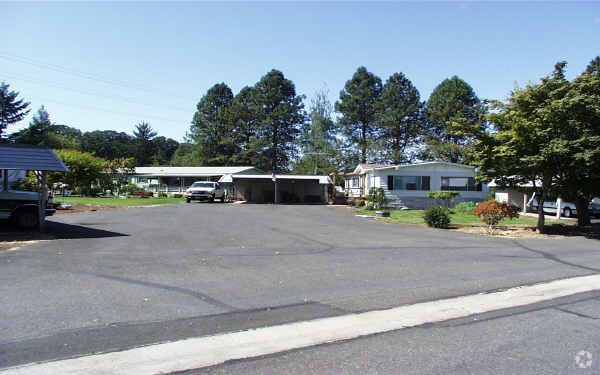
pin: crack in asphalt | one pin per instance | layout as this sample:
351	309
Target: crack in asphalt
201	296
554	258
576	314
514	311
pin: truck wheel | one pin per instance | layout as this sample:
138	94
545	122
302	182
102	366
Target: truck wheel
188	200
567	212
27	219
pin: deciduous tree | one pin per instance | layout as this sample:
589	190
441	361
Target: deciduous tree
84	170
543	137
108	144
319	143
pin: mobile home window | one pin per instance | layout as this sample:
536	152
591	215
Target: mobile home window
460	184
354	182
408	182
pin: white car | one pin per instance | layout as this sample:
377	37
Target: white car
568	209
205	191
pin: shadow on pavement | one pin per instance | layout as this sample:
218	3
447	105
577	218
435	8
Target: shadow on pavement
54	230
70	231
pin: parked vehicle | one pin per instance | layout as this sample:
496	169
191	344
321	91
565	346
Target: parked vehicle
205	190
594	210
568	209
22	207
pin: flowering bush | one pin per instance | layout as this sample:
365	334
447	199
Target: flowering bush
492	212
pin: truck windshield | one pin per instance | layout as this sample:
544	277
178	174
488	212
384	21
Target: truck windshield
203	185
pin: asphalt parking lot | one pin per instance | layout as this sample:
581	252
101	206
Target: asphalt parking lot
116	279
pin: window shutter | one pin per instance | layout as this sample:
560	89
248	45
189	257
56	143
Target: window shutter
390	183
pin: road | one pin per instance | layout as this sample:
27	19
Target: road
120	279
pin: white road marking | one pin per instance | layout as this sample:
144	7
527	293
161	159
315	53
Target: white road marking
213	350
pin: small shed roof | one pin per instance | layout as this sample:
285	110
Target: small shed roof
30	158
191	171
323	180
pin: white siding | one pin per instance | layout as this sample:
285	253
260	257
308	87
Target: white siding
418	198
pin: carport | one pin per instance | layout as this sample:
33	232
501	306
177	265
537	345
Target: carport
262	188
40	160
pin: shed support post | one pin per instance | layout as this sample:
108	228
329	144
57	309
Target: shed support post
525	200
558	207
43	200
5	179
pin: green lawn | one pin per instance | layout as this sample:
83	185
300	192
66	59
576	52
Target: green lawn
415	217
118	201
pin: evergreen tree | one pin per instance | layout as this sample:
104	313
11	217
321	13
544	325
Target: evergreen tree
12	110
244	119
281	120
210	130
43	132
454	119
593	66
358	107
144	134
400	119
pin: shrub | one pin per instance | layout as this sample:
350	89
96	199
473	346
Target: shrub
129	189
177	195
445	196
463	207
359	202
492	212
376	200
437	217
162	194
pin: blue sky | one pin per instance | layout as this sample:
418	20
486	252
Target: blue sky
113	65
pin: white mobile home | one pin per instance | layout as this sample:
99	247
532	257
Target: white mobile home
408	184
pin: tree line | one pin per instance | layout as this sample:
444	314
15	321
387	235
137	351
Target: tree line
144	146
268	126
546	133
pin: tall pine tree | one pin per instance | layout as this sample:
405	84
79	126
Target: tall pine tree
144	134
281	118
401	112
358	107
454	119
210	129
12	110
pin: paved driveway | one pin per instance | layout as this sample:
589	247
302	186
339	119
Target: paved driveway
145	275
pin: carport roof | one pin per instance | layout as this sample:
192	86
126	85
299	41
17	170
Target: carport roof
191	171
30	158
323	180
